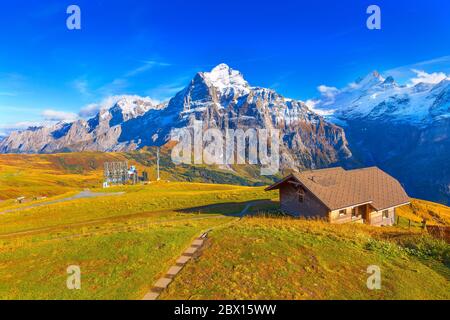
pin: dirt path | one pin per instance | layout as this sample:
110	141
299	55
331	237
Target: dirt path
82	195
160	285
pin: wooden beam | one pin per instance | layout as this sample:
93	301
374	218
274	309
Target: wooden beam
295	183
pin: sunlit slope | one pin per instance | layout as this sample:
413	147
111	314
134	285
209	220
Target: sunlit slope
135	200
115	263
263	258
122	243
48	175
433	213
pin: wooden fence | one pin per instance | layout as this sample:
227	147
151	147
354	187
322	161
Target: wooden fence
440	232
436	231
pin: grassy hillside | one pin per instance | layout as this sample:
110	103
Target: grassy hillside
49	175
266	258
128	238
114	264
137	200
122	243
433	213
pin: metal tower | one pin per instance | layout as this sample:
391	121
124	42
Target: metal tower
157	165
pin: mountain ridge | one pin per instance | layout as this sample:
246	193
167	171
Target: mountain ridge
221	98
403	129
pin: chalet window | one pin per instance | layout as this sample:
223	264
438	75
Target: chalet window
386	214
354	212
342	212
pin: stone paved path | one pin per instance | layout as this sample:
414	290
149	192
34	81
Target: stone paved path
164	282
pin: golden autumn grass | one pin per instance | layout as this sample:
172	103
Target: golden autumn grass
433	213
53	174
137	200
49	175
267	258
124	242
114	264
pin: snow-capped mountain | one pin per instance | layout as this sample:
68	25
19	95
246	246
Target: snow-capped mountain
98	133
221	98
404	129
227	81
374	97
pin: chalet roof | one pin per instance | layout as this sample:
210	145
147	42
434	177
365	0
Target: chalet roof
337	188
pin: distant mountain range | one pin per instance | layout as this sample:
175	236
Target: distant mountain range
376	98
374	121
404	129
220	98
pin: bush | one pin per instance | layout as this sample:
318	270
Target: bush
427	247
388	249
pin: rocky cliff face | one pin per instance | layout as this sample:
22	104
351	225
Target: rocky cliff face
99	133
220	98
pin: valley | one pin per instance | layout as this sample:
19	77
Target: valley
373	121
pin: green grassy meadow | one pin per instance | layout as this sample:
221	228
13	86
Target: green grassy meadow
267	258
124	241
114	265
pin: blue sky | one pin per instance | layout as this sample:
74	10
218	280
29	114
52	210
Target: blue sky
153	48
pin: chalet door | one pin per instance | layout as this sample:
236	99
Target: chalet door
365	213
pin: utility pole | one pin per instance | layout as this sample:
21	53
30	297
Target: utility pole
157	164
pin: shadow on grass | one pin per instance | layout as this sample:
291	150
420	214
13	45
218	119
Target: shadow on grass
236	209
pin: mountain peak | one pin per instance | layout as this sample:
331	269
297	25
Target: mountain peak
389	80
224	78
373	78
373	75
223	67
129	106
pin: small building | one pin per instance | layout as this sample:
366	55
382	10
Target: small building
20	199
366	195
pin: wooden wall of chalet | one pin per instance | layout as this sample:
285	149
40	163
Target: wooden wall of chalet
377	219
310	207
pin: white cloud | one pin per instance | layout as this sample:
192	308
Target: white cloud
92	109
404	73
7	128
147	65
424	77
328	92
312	103
89	110
49	118
82	87
55	115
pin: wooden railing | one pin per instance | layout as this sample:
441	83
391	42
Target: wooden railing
440	232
